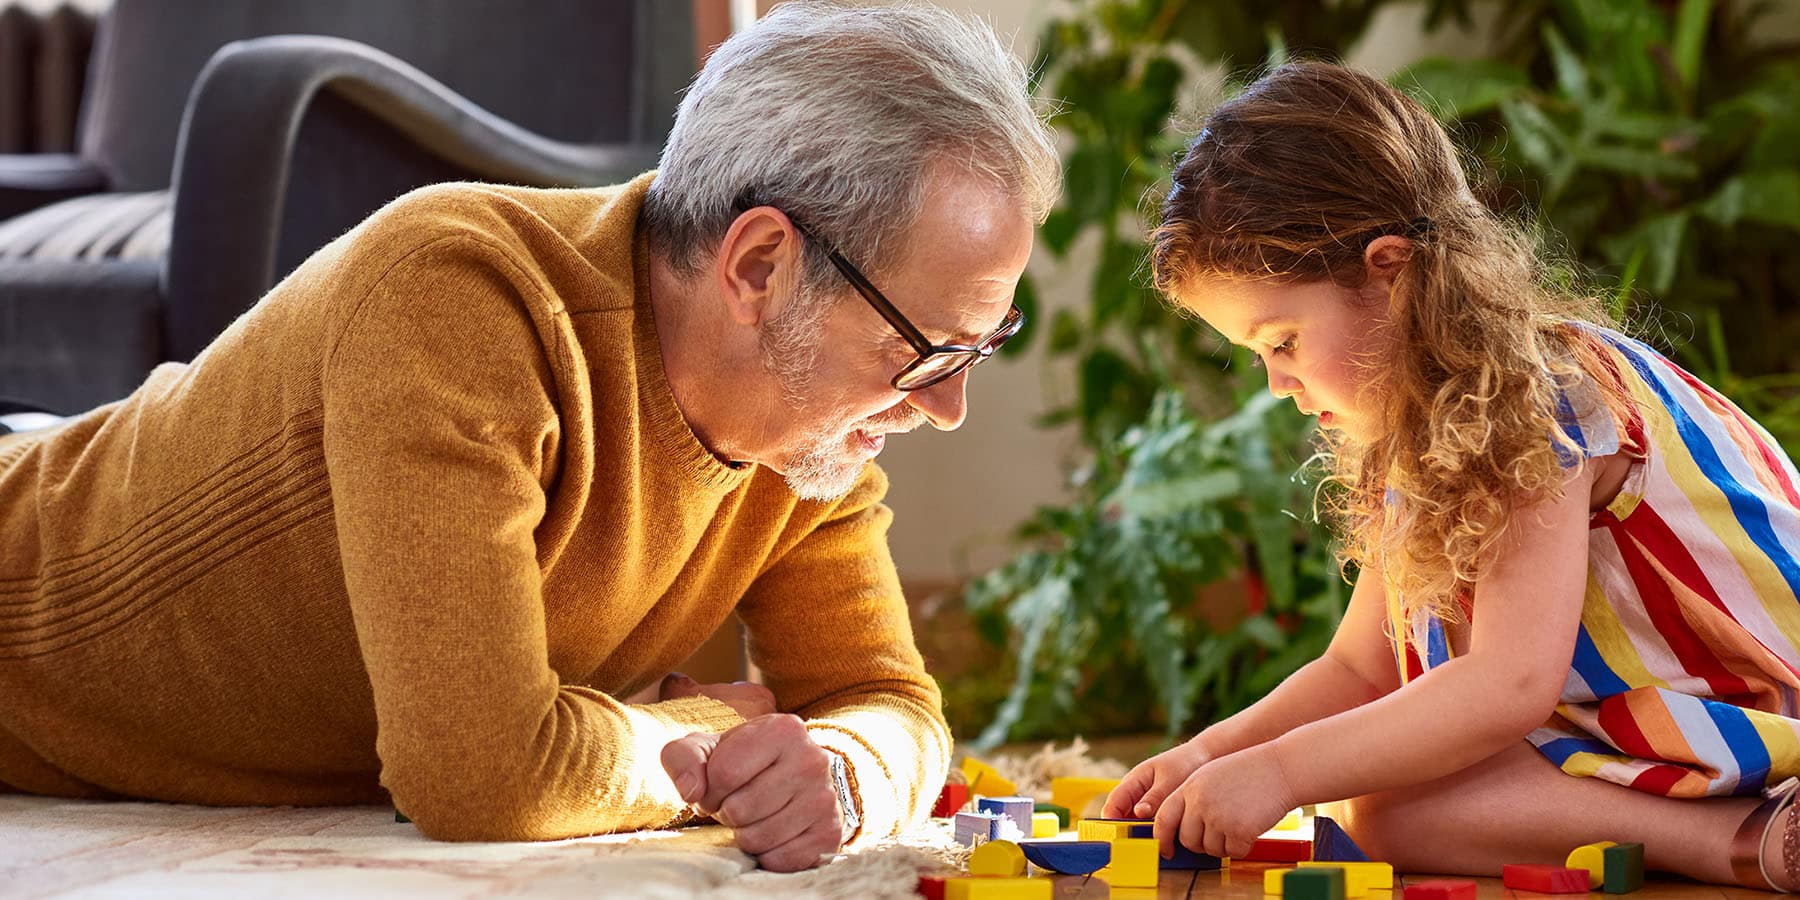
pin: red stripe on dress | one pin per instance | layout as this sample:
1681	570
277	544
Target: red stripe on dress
1659	779
1621	729
1649	533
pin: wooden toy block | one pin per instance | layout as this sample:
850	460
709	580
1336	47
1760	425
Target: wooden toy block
1191	860
1002	858
1289	822
1592	858
1279	850
1016	810
1062	814
1313	884
1359	877
1544	879
984	780
1074	794
1068	857
931	887
1114	829
1331	844
974	827
951	800
997	889
1441	889
1134	863
1624	868
1044	824
1272	880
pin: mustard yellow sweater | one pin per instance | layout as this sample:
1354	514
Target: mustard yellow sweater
409	528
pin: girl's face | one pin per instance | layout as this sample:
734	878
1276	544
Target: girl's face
1318	341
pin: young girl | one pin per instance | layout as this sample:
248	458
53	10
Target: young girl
1576	618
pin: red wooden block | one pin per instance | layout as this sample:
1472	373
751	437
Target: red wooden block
1441	889
1279	850
931	887
951	800
1545	879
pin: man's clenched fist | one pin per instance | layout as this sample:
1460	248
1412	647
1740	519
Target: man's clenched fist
770	783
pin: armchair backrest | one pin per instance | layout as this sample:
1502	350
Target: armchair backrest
588	71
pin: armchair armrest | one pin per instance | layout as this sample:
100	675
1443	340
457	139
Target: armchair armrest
237	143
31	180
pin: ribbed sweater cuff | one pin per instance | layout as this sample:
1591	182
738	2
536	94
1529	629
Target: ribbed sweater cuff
690	714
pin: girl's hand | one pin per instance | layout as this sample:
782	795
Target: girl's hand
1226	804
1141	792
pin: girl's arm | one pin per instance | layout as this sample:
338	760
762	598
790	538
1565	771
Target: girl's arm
1357	668
1527	611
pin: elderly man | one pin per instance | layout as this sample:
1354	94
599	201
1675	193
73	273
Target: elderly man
421	523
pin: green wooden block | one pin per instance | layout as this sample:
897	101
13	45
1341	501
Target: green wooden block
1062	813
1313	884
1624	868
400	816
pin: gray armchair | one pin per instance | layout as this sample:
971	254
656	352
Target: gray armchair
195	189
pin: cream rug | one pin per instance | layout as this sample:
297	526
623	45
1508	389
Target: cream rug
148	851
69	848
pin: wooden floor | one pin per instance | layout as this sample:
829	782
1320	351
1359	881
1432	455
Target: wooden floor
1245	881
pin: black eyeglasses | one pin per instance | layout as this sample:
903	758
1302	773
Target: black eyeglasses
936	362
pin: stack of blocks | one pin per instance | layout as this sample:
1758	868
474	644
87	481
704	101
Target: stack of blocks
1359	878
1611	867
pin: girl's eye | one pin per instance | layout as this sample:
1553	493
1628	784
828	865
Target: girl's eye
1286	346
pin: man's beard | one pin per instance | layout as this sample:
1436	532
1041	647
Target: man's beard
823	465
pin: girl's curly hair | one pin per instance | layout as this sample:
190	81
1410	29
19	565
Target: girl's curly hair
1289	182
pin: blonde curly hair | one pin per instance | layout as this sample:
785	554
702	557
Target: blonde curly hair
1289	182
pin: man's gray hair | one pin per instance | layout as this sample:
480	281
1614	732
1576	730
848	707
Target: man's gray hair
833	113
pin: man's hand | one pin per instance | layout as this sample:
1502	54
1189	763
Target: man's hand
748	698
770	783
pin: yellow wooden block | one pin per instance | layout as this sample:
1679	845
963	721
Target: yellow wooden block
1135	863
984	780
1288	822
997	889
1272	880
1360	877
997	858
1591	857
1106	829
1045	825
1074	794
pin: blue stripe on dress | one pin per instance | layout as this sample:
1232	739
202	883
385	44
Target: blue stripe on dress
1561	749
1746	745
1748	508
1592	667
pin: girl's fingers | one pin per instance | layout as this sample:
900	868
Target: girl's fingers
1169	824
1123	798
1152	800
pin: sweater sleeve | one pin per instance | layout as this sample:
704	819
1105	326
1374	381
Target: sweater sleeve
829	629
440	412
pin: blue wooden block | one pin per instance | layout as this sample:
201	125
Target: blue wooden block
1331	844
1016	809
1068	857
972	825
1191	859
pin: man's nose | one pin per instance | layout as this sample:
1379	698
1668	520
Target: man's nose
944	404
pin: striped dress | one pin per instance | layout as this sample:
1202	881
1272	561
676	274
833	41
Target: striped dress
1686	665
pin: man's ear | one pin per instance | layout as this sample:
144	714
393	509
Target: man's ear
1386	256
759	251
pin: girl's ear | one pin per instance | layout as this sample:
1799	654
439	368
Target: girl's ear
1386	256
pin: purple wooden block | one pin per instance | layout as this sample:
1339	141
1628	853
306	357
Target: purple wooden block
1068	857
971	825
1190	859
1018	809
